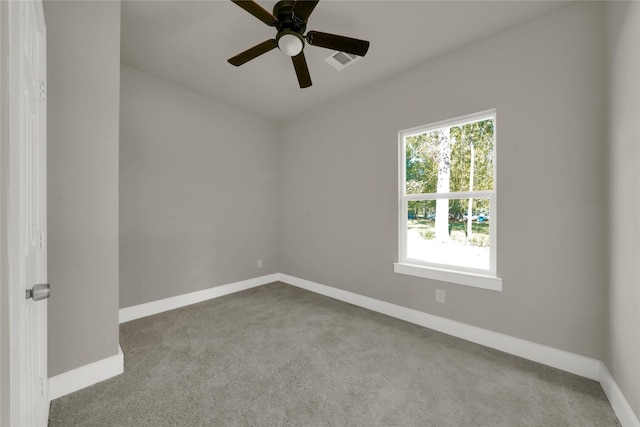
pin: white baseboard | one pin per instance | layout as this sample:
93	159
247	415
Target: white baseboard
569	362
86	375
560	359
154	307
618	402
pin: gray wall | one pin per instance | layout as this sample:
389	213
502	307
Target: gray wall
198	192
622	355
4	205
338	181
83	102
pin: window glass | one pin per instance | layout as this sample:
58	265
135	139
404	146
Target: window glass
448	194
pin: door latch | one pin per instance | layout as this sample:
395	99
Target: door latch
39	292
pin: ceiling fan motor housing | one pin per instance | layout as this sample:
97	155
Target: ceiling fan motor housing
283	11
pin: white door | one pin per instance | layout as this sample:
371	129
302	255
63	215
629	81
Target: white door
28	213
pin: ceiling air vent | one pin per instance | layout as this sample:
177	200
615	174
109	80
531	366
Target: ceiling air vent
340	60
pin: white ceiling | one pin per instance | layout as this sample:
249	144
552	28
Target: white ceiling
188	43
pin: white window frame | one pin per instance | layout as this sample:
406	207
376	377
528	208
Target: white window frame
480	278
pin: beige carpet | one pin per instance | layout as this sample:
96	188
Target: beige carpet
281	356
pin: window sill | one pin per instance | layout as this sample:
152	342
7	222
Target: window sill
476	280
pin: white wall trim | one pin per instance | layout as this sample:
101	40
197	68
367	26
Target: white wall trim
560	359
154	307
86	375
467	278
618	402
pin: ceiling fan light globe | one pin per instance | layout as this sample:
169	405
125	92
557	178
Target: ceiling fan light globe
290	44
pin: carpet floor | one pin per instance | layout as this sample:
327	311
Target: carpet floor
277	355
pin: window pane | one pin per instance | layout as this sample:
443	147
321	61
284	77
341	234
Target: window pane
441	232
450	159
483	141
421	153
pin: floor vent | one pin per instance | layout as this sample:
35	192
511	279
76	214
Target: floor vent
340	60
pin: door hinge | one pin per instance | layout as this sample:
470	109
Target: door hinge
43	384
41	86
41	240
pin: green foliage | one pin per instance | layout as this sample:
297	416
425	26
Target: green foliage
480	136
427	233
479	240
422	163
422	155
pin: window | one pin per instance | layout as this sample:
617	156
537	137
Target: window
447	215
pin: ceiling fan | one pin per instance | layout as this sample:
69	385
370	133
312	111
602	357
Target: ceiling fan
290	20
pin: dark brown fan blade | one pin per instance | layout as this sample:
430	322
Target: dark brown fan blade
253	52
256	10
342	43
302	71
303	8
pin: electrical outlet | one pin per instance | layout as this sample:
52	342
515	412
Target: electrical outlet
259	263
440	294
